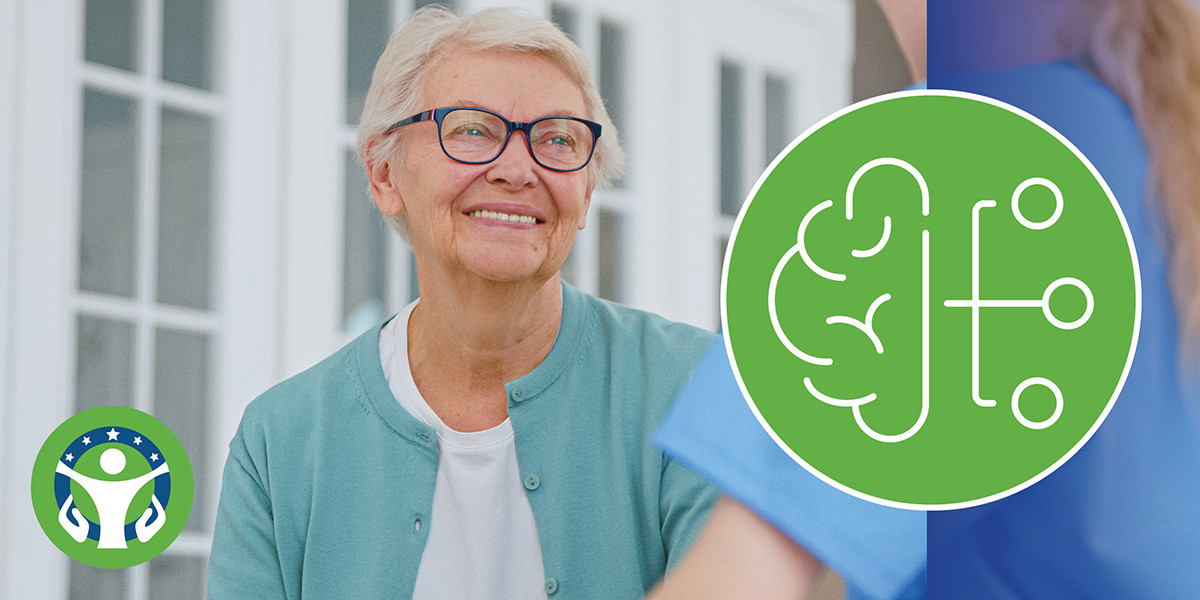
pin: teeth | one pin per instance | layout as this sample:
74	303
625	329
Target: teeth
499	216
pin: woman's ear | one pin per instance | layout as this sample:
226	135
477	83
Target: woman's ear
386	194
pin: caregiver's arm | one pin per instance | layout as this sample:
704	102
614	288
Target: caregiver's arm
739	555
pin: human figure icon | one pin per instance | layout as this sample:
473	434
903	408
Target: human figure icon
112	499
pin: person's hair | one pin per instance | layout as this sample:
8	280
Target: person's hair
1148	52
430	34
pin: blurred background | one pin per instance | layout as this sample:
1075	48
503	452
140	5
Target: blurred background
183	221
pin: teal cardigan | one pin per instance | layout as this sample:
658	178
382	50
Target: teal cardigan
328	487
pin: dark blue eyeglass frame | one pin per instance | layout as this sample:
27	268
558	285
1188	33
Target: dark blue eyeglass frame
438	114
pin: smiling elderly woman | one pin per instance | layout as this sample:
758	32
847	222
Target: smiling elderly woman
490	440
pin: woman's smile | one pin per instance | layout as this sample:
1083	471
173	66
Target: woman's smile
506	215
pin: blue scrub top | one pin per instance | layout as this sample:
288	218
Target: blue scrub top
1120	519
879	551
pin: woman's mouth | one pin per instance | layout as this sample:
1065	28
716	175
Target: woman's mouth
505	217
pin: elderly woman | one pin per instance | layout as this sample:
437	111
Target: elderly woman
490	440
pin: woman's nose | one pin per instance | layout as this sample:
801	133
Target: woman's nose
515	165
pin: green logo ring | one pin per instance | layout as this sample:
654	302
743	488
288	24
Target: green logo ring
112	487
931	300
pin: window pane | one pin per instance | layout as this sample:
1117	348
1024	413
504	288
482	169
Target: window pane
723	245
613	75
177	577
721	249
181	402
612	255
104	353
185	209
567	19
89	583
112	33
364	253
188	42
730	168
777	130
367	29
108	195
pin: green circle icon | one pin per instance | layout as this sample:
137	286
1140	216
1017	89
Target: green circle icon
112	487
931	300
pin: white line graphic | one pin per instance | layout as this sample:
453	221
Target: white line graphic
975	303
866	326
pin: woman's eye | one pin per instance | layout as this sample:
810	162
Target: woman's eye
558	140
470	130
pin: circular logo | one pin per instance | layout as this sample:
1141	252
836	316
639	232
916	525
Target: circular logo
112	487
931	300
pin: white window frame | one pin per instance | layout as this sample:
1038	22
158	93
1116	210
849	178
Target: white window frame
39	315
8	103
811	43
40	259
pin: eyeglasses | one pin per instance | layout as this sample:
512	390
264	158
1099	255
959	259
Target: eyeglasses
476	136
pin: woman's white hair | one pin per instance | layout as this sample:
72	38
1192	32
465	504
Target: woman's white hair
433	32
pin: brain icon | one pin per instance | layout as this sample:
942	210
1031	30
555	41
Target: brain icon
862	327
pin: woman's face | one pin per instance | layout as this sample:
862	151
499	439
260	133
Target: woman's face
451	207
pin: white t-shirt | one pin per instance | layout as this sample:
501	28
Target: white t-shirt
483	541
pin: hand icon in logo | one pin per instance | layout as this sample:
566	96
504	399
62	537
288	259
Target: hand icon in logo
77	530
144	533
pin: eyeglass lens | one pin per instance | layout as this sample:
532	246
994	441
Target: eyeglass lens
476	136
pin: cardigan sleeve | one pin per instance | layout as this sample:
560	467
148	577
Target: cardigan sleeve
244	562
685	502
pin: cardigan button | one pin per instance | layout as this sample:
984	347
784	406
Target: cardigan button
551	585
532	482
518	394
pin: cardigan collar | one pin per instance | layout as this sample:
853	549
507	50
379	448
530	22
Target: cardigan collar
365	368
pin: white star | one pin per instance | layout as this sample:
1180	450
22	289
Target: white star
138	440
87	440
154	457
70	457
112	433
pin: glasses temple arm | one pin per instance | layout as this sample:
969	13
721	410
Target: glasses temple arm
417	118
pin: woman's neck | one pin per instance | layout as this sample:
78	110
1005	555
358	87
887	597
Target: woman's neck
467	341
